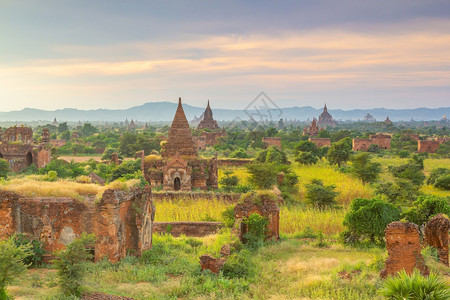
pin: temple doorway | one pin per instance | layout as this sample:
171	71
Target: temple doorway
177	184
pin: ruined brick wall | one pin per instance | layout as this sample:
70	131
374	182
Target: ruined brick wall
265	206
383	141
200	142
361	144
42	156
195	229
427	146
272	141
403	246
18	155
121	221
231	162
212	138
436	235
58	143
321	142
16	134
194	196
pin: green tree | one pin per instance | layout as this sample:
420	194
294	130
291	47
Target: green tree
11	263
68	264
339	152
229	181
127	144
401	191
306	146
413	170
239	153
306	158
324	134
65	135
88	129
262	175
426	207
320	195
271	155
436	173
443	182
368	218
4	168
364	168
63	127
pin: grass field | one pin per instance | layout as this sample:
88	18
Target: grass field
290	269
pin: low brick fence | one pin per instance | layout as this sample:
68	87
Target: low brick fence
193	229
233	162
225	197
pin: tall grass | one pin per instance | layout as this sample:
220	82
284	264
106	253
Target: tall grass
35	186
296	219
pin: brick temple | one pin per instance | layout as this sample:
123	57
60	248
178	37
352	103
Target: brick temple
180	167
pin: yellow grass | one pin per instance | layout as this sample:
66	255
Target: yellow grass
296	219
34	186
292	219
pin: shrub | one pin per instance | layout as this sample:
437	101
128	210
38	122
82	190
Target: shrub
443	182
368	218
426	207
403	153
239	153
4	168
228	216
436	173
68	264
320	195
364	168
262	175
340	152
271	155
11	263
415	286
402	191
306	158
229	181
256	230
413	170
239	265
36	249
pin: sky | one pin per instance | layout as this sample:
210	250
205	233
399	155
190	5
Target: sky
90	54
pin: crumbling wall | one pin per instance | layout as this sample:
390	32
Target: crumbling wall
403	246
436	235
321	142
427	146
272	141
121	221
262	204
196	229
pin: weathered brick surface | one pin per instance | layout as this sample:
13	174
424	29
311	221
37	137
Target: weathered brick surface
121	221
272	141
436	235
428	146
403	246
265	207
208	120
383	141
207	262
195	229
321	142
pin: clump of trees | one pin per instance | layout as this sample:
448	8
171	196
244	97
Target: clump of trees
320	195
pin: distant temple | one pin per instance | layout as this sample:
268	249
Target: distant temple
369	118
311	130
208	121
180	167
325	119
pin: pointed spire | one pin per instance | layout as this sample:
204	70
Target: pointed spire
325	107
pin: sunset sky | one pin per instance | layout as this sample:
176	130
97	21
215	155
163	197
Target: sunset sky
116	54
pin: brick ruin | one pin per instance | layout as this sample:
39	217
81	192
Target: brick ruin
383	141
311	130
436	235
321	142
403	246
272	141
121	221
431	146
208	120
210	136
264	205
18	149
180	167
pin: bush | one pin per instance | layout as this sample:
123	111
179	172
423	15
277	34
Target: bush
403	153
239	265
271	155
68	264
415	286
436	173
402	191
443	182
413	170
256	230
229	181
368	218
36	249
426	207
11	263
4	168
339	152
364	168
239	153
228	216
262	175
306	158
319	195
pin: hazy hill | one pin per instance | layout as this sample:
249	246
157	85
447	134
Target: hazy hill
164	111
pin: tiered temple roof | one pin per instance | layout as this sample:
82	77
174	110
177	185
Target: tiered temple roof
208	120
180	138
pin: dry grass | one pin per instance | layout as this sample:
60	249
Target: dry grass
35	186
296	219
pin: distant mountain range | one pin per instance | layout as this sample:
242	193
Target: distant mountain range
164	111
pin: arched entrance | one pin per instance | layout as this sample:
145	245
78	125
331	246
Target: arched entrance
177	184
